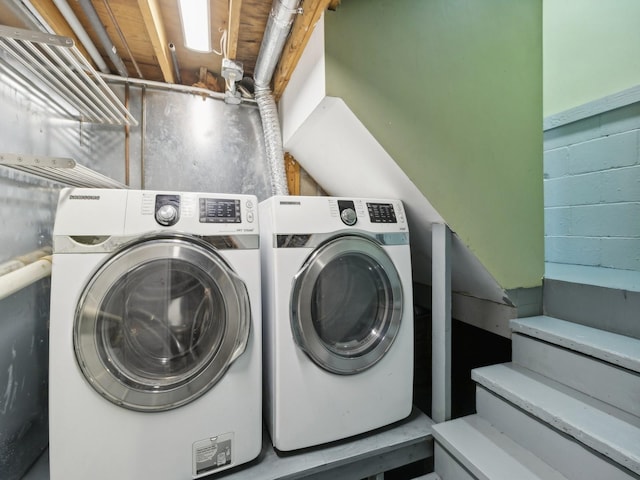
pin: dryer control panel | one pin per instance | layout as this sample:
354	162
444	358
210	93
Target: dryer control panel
381	213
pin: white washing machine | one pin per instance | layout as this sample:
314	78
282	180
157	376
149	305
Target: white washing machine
337	317
155	335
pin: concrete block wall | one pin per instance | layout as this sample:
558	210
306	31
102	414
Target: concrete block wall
592	190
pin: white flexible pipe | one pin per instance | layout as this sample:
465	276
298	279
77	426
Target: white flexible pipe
81	33
22	260
15	281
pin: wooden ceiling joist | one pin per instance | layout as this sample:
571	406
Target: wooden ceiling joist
56	21
233	28
155	29
301	31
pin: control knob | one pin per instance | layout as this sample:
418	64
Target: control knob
348	216
167	215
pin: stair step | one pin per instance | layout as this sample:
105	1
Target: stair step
610	347
601	428
470	448
598	297
572	459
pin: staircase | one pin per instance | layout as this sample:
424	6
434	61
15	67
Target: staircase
567	406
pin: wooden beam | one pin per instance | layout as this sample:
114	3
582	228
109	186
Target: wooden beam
155	29
56	21
233	28
301	31
292	168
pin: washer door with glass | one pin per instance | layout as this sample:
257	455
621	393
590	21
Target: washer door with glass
160	323
346	304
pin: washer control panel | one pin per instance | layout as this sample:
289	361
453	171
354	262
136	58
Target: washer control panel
167	209
219	210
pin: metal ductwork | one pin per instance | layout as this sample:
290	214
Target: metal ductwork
103	36
275	35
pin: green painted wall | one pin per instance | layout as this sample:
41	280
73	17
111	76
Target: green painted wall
452	89
591	50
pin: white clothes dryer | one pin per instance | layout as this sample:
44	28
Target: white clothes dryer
155	335
337	317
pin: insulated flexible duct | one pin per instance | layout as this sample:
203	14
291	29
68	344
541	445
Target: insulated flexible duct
276	32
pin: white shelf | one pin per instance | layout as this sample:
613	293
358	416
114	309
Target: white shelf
59	169
57	66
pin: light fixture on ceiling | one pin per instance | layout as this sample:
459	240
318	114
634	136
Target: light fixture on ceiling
194	15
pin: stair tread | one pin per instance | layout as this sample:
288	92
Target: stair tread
488	453
610	347
428	476
595	428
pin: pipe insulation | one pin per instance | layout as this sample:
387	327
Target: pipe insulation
103	36
16	280
275	36
82	34
22	260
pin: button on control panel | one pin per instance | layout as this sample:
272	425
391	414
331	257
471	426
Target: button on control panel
347	212
167	209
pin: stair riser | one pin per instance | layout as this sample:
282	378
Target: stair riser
446	467
556	449
606	382
609	309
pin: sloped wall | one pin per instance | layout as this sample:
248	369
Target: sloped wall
452	89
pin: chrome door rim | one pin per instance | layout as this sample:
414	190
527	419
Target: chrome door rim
130	391
305	335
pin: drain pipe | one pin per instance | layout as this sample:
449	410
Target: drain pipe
276	32
103	36
82	34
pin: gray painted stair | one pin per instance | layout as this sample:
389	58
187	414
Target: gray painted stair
609	432
601	364
470	448
429	476
603	298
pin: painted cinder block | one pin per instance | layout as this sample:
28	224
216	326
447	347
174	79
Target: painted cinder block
572	133
620	150
556	163
557	221
620	185
620	120
621	253
573	190
574	250
606	220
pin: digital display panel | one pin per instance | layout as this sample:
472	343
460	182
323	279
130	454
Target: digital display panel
381	213
218	210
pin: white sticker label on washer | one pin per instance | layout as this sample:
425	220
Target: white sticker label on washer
212	453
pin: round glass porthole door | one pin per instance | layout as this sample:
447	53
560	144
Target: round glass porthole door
160	323
346	304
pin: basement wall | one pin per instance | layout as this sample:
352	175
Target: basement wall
592	187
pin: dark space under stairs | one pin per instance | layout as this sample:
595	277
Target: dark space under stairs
568	404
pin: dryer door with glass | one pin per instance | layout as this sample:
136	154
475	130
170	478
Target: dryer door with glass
160	322
346	304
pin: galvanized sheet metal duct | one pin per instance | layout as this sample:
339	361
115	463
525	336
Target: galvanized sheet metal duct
276	32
